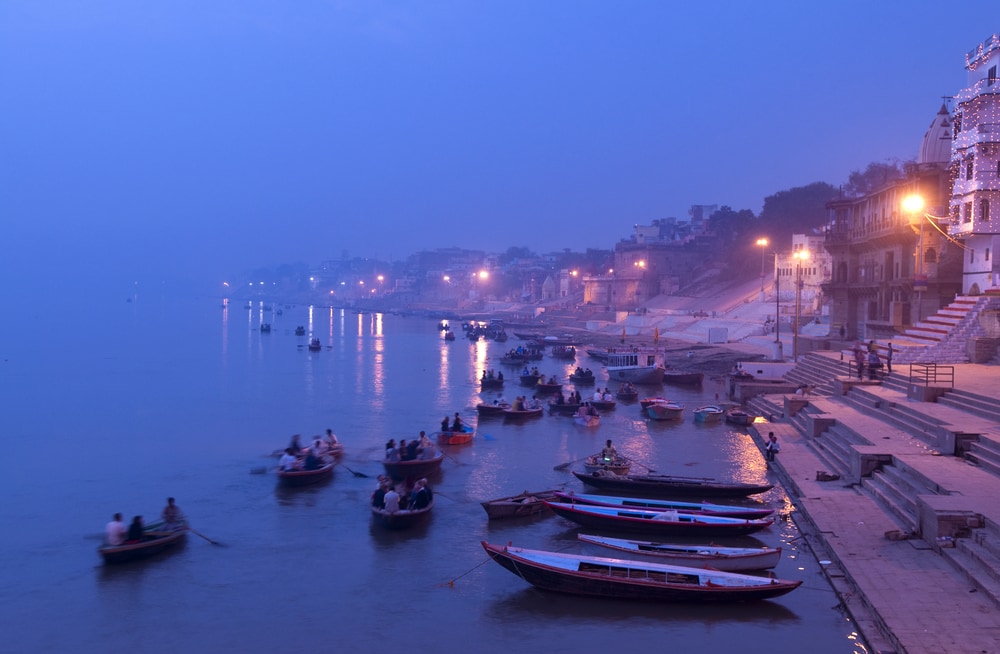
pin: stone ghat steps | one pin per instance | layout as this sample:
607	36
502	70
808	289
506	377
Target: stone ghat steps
979	405
985	453
978	556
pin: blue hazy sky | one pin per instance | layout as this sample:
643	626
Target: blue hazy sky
198	138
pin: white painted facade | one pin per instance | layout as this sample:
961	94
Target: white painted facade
974	209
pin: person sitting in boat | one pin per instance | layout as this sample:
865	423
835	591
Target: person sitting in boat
500	376
525	372
560	399
534	371
518	403
312	462
427	449
591	410
378	497
390	502
288	460
609	454
116	530
582	411
331	440
578	372
607	395
421	497
135	530
319	448
456	424
402	450
173	518
598	395
296	445
413	450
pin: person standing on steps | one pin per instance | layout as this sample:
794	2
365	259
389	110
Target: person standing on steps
888	360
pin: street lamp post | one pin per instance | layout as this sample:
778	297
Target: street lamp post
762	244
800	256
914	205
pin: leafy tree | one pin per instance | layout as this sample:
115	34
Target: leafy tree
795	211
876	175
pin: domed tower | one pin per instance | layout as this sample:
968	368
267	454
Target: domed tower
936	147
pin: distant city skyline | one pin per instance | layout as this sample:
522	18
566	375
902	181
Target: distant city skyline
188	140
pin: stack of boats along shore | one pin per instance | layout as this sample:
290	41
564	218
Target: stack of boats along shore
633	517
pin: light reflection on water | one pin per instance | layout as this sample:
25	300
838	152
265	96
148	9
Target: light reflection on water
294	553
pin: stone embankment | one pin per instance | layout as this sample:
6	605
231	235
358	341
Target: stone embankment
899	494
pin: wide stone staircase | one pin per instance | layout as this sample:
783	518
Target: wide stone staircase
931	466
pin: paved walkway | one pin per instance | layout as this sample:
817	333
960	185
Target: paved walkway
904	595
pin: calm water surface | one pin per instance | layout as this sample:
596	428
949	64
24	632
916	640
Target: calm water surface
113	408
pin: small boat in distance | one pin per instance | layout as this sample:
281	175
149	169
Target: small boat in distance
265	328
414	468
315	345
619	466
463	436
739	416
295	478
402	519
300	331
728	559
636	367
496	409
596	576
664	411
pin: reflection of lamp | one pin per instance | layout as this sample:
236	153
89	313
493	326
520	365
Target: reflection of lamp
800	256
914	205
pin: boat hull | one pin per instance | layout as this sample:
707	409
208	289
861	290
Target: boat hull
728	559
653	504
666	486
463	437
518	506
404	519
295	478
664	411
413	469
639	375
685	525
633	580
153	542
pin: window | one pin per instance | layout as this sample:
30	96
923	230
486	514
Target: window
984	209
991	76
998	168
968	213
958	123
987	254
969	167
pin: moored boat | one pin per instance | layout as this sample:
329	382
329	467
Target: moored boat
634	580
413	468
303	477
154	540
728	559
655	504
637	367
708	413
664	411
670	486
646	401
518	506
663	523
402	519
739	416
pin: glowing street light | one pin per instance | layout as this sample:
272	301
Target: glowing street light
762	244
914	205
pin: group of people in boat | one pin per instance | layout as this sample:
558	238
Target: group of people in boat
420	448
602	396
491	374
533	372
313	457
551	379
522	403
117	533
572	398
389	498
583	372
456	424
586	409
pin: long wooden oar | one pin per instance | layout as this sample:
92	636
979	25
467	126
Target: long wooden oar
648	469
198	533
356	474
563	466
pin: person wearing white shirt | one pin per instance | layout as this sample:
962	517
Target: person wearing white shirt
288	461
116	530
391	500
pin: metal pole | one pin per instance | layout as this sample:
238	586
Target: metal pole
798	301
763	252
777	298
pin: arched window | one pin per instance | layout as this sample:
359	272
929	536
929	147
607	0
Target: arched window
930	255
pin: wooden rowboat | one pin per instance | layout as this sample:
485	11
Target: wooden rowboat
708	413
729	559
634	580
704	508
603	405
490	382
517	414
402	519
587	420
293	478
664	411
153	541
414	468
737	416
518	506
547	388
670	486
660	523
486	410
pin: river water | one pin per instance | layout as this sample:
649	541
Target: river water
115	407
